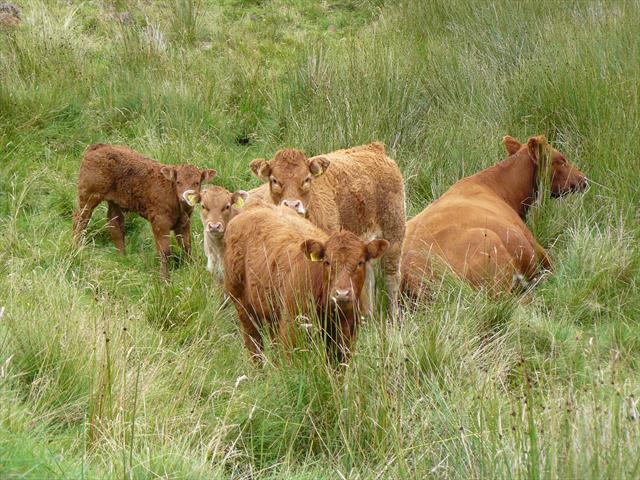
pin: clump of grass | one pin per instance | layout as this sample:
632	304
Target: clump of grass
185	20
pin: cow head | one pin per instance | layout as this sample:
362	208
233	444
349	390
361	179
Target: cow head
564	177
290	175
218	207
344	257
187	181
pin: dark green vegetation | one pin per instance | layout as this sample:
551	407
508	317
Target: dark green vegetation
107	372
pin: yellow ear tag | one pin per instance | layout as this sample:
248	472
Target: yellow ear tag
191	198
314	257
239	202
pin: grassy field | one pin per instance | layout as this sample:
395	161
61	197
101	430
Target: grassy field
106	372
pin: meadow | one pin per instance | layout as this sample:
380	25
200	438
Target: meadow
108	372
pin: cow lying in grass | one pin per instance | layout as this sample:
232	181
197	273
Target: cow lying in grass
476	228
163	194
278	265
358	189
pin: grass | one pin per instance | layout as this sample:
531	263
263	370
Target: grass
106	372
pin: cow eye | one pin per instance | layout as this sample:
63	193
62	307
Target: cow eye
326	263
227	206
307	180
360	263
274	181
205	208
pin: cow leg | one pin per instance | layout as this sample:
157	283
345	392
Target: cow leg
182	232
345	340
161	232
115	222
489	263
541	254
368	292
250	334
391	268
287	333
86	204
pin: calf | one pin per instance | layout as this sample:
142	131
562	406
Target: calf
359	189
278	264
163	194
218	207
476	228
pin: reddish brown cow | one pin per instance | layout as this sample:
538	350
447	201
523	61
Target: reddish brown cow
163	194
278	264
358	189
476	228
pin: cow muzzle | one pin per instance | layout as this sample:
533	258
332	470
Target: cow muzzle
342	296
295	205
217	227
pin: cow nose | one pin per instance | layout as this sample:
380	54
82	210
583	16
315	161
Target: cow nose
343	295
215	227
295	204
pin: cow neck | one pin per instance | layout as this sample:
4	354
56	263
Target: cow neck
217	240
515	180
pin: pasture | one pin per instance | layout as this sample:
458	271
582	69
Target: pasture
106	371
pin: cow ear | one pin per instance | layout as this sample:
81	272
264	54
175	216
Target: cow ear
318	165
313	250
169	173
376	248
261	169
511	144
207	174
239	198
535	146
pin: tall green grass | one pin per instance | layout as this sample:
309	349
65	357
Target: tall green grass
107	372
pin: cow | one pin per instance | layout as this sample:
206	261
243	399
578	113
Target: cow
477	230
163	194
359	189
278	265
217	207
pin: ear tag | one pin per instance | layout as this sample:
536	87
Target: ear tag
239	202
191	199
317	174
314	257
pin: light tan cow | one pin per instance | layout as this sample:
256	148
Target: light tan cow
358	189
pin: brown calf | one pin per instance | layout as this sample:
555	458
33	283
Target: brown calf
476	228
163	194
278	265
358	189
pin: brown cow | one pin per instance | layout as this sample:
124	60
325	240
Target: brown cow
163	194
358	189
278	264
476	228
